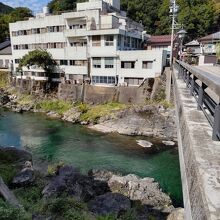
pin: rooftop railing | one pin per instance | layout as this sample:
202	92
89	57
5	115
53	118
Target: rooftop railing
205	87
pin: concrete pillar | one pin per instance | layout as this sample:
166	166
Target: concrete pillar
168	83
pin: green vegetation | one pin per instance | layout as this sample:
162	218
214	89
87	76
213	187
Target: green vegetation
93	113
5	9
38	57
3	79
7	168
7	212
199	17
9	15
55	105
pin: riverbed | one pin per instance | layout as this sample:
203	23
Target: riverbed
56	141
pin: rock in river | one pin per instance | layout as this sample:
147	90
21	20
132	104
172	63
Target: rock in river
144	143
145	190
109	203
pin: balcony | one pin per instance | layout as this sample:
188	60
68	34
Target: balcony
75	32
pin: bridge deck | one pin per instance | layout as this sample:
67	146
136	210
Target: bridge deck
199	154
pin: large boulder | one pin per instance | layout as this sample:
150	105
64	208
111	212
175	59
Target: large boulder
75	184
109	203
73	115
177	214
24	177
145	190
55	187
101	175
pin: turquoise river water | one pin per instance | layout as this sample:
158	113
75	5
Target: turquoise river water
54	141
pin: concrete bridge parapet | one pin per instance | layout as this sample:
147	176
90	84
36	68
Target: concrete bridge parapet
199	156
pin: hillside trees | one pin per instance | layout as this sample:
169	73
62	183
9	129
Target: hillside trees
17	14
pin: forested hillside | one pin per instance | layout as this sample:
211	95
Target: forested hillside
199	17
7	15
4	9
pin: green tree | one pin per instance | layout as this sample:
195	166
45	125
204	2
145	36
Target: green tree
40	58
17	14
56	6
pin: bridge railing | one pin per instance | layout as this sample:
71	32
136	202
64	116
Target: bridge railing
205	87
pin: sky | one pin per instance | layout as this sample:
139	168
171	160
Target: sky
34	5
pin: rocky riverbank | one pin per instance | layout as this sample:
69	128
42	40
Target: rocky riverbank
152	120
66	193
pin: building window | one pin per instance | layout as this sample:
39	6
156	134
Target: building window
63	62
109	40
109	62
17	60
147	65
128	64
96	41
133	81
103	79
96	62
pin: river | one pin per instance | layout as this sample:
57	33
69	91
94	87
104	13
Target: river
55	141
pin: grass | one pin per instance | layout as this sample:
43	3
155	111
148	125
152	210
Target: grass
7	212
93	113
57	106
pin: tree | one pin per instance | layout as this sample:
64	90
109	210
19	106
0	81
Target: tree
40	58
17	14
56	6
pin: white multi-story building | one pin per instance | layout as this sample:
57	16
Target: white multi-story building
96	41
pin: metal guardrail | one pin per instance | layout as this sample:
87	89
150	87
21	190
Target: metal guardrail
198	81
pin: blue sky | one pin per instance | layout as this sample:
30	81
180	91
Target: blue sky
34	5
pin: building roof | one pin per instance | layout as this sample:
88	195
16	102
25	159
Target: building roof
5	48
5	44
160	39
211	37
193	43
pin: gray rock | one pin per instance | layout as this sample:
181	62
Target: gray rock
145	190
56	186
68	171
168	143
73	115
109	203
144	143
101	175
177	214
147	121
75	184
24	178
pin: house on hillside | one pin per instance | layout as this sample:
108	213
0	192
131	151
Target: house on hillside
5	55
208	45
97	41
163	42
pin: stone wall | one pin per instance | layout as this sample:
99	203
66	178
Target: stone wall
98	94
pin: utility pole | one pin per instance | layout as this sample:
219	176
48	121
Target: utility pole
173	11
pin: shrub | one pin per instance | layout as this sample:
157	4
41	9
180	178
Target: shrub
7	212
3	79
52	169
83	107
57	106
